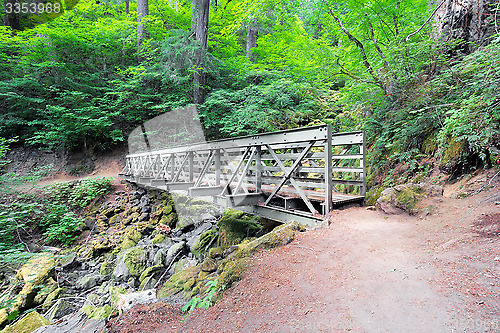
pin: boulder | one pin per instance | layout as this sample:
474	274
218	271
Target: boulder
34	274
60	309
173	253
405	198
235	226
99	313
135	260
88	281
194	240
106	268
150	271
280	236
130	262
176	282
128	301
52	297
121	272
75	323
182	265
209	265
28	324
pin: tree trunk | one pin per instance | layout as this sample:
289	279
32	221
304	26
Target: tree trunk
12	19
473	21
127	6
142	11
201	35
252	34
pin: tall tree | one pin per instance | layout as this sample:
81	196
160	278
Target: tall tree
142	11
252	34
201	10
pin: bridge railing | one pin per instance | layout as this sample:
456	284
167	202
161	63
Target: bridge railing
302	172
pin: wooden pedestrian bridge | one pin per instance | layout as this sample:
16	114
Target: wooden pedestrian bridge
299	174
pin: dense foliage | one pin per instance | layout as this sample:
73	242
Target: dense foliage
47	215
80	81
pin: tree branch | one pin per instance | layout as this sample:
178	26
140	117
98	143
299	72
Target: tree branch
352	76
426	21
379	51
360	46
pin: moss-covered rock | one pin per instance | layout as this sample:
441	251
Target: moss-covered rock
207	239
185	222
234	271
453	155
406	197
158	238
215	252
127	243
135	260
99	313
189	284
34	274
176	282
106	268
98	247
209	265
48	287
280	236
166	209
28	324
133	234
170	220
235	226
150	271
52	297
4	315
132	218
115	219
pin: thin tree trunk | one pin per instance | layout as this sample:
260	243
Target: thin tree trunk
142	11
252	34
12	19
127	6
201	35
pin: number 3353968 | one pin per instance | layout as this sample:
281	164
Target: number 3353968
33	8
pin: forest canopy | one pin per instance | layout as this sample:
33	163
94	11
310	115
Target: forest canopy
85	79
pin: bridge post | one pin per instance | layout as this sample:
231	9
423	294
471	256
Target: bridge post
217	166
362	163
328	170
258	170
191	166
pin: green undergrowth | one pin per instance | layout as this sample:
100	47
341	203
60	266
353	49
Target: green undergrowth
52	212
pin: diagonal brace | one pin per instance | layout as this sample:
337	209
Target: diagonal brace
287	176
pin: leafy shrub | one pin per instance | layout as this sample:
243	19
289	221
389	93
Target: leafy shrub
205	302
12	218
61	224
79	193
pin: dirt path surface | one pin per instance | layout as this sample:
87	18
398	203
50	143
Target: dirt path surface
367	272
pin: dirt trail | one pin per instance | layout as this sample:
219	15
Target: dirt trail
366	272
369	272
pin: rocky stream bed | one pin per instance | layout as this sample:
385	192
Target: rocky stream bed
137	246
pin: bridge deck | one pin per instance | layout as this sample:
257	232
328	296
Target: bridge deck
299	174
